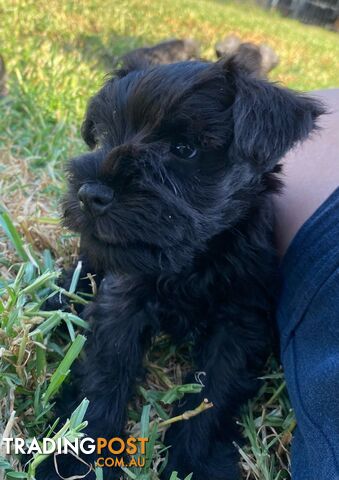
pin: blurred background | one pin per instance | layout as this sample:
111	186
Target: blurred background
318	12
55	54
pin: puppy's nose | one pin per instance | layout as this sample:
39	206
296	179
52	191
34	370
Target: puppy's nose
95	198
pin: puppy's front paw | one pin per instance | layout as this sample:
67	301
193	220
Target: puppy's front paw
206	458
60	301
56	302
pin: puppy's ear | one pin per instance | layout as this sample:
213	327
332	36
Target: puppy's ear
268	120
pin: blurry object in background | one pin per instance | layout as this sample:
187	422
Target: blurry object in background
3	89
269	59
228	46
319	12
259	59
166	52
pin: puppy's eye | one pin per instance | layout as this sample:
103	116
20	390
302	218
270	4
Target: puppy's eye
184	150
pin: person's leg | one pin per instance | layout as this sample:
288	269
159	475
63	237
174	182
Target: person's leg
308	309
311	173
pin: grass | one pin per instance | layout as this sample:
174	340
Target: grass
57	54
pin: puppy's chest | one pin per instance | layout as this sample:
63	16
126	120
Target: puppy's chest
226	296
188	311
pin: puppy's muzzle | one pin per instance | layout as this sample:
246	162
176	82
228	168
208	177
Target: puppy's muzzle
95	198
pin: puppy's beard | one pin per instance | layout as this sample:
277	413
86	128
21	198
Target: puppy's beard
137	257
111	248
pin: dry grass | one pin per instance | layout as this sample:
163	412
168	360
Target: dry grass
36	212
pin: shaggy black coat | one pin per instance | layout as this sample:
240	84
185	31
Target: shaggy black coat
173	204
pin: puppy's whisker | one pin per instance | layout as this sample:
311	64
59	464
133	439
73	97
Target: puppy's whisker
173	185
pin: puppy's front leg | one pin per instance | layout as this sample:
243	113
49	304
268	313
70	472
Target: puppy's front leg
229	357
122	323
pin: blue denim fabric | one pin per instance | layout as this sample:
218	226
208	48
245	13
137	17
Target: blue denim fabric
308	321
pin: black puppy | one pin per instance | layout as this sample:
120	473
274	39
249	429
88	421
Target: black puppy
173	204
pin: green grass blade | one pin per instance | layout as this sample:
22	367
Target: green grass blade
144	423
75	278
63	369
79	413
13	235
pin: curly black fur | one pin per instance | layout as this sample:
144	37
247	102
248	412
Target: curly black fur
173	204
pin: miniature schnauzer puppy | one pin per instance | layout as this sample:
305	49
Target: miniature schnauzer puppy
173	203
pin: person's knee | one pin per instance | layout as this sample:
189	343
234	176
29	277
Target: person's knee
311	173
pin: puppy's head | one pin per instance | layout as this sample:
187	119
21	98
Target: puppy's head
179	153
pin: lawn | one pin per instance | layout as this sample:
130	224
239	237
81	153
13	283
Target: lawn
57	55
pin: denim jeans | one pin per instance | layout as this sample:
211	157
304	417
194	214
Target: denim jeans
308	321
